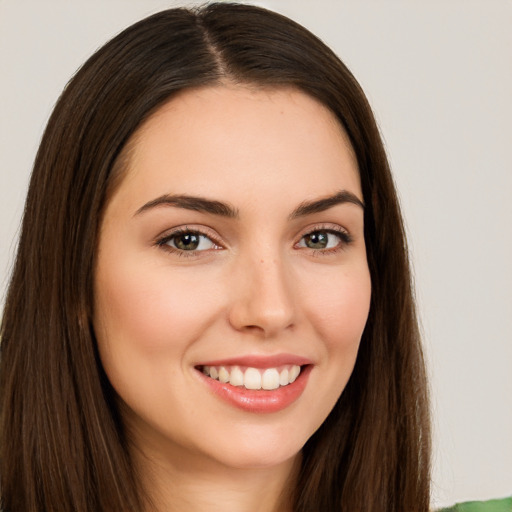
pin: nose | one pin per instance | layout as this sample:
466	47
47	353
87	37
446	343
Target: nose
262	301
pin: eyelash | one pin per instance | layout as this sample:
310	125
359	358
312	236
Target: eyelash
345	239
343	235
164	241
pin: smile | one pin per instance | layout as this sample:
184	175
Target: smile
254	378
257	384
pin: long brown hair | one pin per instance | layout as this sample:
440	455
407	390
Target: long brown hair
62	442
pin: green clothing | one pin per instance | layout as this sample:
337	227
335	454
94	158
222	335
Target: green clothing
504	505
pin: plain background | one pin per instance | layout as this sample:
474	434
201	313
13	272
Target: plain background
439	77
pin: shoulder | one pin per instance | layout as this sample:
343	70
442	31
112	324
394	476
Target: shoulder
503	505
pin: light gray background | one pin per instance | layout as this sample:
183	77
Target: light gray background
439	77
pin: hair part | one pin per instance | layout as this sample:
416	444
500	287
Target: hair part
63	445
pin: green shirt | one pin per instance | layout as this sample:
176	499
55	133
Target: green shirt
504	505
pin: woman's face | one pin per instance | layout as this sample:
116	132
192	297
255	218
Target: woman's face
232	256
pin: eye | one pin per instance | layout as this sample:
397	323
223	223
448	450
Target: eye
323	239
186	240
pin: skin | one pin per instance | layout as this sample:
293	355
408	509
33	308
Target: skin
256	288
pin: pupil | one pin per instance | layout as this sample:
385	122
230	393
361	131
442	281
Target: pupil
317	240
187	242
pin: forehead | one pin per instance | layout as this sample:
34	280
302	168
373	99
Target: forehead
206	138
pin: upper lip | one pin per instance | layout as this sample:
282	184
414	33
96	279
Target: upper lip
260	361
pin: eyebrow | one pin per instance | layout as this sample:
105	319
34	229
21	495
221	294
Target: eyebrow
204	205
198	204
320	205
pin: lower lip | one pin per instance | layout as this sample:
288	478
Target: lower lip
260	401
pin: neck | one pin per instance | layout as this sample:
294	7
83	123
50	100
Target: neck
181	483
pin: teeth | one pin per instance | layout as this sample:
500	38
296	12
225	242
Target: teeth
293	374
283	377
223	374
270	379
237	377
254	378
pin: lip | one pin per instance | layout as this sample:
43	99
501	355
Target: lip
260	361
259	401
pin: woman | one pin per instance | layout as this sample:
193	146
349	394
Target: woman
211	304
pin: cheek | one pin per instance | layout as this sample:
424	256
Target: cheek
337	311
146	318
148	308
339	308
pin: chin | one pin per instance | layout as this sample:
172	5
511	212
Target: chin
260	448
261	460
